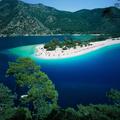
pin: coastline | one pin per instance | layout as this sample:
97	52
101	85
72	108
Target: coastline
32	35
39	35
72	52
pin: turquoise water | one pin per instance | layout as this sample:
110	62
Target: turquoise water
28	51
82	79
83	37
79	80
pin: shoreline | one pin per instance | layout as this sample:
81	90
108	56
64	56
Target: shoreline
39	35
72	52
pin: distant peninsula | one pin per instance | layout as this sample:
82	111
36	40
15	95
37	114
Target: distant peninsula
69	48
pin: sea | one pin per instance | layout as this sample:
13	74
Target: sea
82	79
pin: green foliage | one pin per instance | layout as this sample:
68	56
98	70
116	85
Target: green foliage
7	12
88	112
41	91
91	112
98	112
63	114
114	95
22	114
53	44
43	87
43	97
6	103
24	70
71	114
18	18
42	108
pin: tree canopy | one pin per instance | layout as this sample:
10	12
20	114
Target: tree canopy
41	91
42	96
114	95
6	103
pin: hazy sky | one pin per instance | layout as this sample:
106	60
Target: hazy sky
74	5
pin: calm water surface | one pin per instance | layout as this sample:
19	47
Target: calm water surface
83	79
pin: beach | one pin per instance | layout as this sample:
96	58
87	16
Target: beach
59	53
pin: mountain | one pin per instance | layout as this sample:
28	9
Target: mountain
19	18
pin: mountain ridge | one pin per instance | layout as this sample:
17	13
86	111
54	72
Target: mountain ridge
19	18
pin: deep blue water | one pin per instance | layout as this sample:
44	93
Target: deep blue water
9	42
83	79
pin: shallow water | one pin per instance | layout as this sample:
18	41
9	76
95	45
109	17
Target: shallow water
82	79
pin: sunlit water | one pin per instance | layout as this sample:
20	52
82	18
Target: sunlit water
83	79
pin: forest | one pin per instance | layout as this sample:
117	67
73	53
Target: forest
40	101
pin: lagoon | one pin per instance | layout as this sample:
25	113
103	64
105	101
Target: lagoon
79	80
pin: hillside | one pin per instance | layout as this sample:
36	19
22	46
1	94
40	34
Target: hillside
19	18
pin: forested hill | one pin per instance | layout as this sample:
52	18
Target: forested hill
19	18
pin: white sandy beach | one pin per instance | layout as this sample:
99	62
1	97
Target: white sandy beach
40	52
